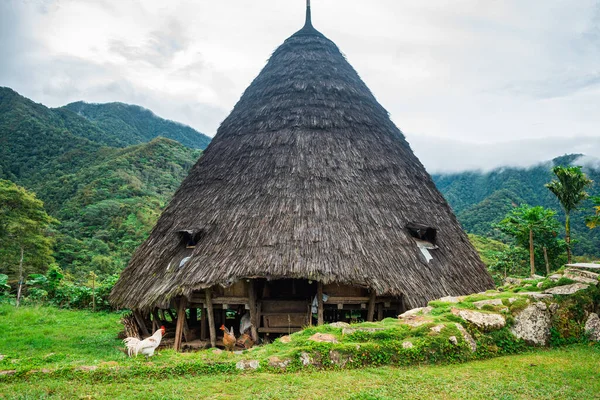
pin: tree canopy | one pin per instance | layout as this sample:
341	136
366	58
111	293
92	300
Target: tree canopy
532	228
24	227
569	189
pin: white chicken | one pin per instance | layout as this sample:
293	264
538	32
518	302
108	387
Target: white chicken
146	346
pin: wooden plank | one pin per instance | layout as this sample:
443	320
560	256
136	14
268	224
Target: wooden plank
222	300
140	321
371	311
347	300
272	305
379	312
279	330
180	322
258	314
320	303
210	315
252	305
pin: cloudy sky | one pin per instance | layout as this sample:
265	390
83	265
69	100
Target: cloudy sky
471	83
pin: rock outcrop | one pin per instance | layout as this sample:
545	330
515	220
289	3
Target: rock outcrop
533	324
484	321
566	289
592	327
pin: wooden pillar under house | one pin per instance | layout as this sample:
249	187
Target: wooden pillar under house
179	327
320	303
211	318
252	304
379	312
141	323
371	310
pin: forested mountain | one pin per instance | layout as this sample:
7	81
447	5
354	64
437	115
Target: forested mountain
481	199
134	124
106	198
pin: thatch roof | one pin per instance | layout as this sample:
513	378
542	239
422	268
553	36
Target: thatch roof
306	178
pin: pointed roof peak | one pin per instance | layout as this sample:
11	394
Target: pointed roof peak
308	28
308	22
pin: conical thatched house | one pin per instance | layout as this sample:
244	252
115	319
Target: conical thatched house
307	188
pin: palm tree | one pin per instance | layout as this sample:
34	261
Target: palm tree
570	191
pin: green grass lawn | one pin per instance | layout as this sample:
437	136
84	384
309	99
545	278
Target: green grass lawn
58	340
568	373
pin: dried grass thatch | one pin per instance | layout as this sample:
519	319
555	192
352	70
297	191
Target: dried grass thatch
306	178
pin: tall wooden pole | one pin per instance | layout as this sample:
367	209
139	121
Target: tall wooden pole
252	305
371	310
179	326
320	303
211	318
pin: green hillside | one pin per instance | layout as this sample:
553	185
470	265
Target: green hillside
134	124
106	198
482	199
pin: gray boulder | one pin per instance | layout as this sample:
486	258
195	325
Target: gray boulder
582	276
566	289
592	327
485	321
533	324
247	364
468	338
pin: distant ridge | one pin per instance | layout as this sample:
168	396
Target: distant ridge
481	199
134	124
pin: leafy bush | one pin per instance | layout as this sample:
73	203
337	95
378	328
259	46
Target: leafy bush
57	289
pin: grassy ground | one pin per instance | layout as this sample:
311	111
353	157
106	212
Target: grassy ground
566	373
58	340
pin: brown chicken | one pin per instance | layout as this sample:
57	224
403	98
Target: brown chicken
228	338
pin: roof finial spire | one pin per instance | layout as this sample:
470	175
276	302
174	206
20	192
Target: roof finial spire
308	22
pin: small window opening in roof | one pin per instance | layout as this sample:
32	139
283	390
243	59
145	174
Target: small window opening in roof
190	238
424	237
422	232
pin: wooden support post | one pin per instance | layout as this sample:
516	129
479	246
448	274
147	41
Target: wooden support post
371	311
320	303
157	318
252	305
140	321
193	316
180	324
211	318
379	312
203	324
186	329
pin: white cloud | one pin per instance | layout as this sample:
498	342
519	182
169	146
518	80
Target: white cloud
471	74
